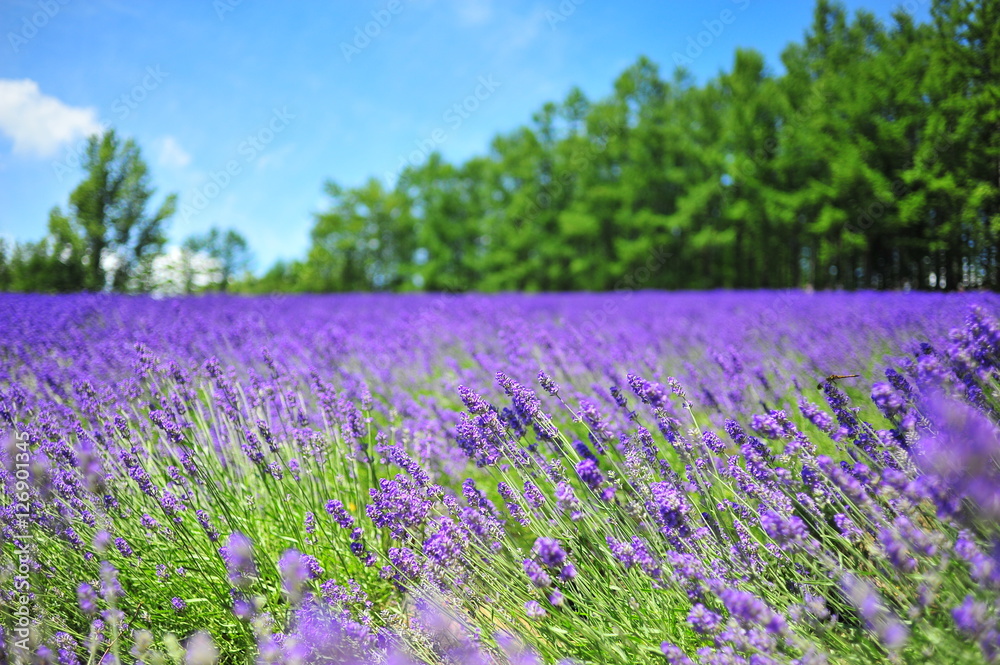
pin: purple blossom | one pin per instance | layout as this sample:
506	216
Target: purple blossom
123	547
536	573
336	509
296	569
746	607
404	566
888	629
963	451
784	531
589	473
703	620
547	384
237	554
970	617
398	504
767	426
713	442
533	610
886	399
816	415
668	507
567	502
513	507
102	541
549	552
111	588
86	597
674	655
444	545
206	525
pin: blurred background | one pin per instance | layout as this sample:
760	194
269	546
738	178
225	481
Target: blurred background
460	145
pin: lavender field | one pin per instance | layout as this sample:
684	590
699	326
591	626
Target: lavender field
610	478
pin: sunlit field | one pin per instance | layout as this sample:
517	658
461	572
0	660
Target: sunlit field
722	477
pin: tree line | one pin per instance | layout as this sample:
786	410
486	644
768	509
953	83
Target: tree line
871	161
107	240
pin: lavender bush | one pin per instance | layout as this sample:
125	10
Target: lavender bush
629	478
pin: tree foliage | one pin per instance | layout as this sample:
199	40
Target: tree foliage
106	240
227	250
873	161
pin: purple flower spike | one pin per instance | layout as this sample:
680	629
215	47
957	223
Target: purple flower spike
237	554
533	610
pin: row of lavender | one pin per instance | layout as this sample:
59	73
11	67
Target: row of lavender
598	478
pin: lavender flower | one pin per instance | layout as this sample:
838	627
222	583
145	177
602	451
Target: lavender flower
86	597
123	547
674	655
206	525
445	545
533	610
237	554
547	384
398	505
783	531
536	573
567	502
549	552
102	541
767	426
336	510
703	620
964	453
296	569
589	473
970	617
111	588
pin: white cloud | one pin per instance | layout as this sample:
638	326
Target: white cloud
40	124
172	154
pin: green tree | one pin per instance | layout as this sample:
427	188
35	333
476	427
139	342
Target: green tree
364	241
872	161
228	249
955	180
108	215
6	274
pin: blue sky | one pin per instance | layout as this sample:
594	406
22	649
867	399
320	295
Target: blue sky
245	108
